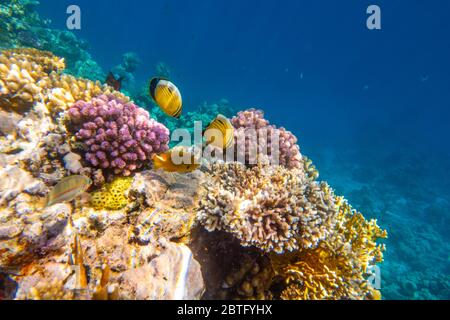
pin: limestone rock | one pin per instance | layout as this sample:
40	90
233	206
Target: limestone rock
172	275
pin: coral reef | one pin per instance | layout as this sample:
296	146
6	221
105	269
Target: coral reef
225	231
24	75
117	135
269	207
338	267
253	136
22	26
403	188
112	196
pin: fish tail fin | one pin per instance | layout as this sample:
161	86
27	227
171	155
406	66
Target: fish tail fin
157	162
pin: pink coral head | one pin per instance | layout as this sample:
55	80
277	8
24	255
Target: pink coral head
121	136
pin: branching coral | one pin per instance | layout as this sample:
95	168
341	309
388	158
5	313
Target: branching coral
270	207
112	196
254	135
117	135
338	268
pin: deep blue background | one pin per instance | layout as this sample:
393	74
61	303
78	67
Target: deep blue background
253	53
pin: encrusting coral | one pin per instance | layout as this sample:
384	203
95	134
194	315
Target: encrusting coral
270	207
112	196
117	135
254	135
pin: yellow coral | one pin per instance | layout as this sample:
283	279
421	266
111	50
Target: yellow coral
28	76
112	196
269	207
45	59
22	81
337	268
66	90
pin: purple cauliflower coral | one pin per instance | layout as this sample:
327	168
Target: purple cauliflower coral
117	135
252	121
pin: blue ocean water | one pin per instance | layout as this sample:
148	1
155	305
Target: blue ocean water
371	108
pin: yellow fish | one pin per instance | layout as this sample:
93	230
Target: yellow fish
224	126
167	96
165	161
68	189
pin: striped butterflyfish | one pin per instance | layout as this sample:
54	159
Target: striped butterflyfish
219	133
167	96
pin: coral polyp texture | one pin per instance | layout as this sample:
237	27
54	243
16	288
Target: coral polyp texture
254	136
113	196
24	75
338	267
117	135
227	230
270	207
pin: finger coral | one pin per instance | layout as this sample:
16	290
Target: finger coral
23	76
269	207
66	90
338	267
254	135
117	135
112	196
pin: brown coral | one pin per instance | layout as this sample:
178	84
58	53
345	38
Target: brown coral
270	207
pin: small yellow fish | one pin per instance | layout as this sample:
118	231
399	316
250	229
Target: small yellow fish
220	125
68	189
165	161
167	96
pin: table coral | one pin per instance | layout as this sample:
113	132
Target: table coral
117	135
270	207
254	134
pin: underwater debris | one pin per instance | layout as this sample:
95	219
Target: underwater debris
113	195
118	136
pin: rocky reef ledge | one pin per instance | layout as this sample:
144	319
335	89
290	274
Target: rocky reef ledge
225	231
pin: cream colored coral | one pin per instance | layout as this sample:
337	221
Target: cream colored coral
270	207
66	90
337	268
21	82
